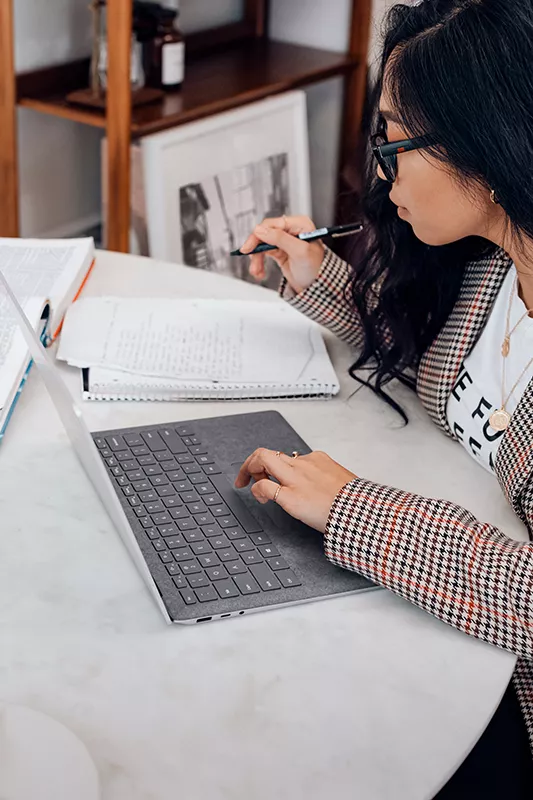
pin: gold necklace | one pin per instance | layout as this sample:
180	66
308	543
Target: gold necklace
500	419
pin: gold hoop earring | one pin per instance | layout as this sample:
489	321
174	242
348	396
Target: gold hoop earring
493	197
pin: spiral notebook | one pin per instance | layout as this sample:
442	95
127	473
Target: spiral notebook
160	349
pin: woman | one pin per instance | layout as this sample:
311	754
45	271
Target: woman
438	298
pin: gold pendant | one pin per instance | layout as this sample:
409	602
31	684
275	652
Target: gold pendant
506	346
499	420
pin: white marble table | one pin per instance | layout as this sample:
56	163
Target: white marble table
360	697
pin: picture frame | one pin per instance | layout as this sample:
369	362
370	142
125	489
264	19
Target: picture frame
208	183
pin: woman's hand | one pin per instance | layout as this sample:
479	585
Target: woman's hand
309	484
299	261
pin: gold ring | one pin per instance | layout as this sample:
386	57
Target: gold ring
278	490
285	223
295	454
278	453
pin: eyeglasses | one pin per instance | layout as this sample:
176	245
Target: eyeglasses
386	152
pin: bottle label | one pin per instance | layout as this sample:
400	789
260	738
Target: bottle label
173	63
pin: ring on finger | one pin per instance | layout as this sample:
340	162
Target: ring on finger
278	453
278	490
285	223
295	454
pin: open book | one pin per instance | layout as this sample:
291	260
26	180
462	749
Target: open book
46	276
162	349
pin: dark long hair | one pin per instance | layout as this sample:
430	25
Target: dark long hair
463	70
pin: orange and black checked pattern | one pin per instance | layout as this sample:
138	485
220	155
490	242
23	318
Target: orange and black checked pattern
432	552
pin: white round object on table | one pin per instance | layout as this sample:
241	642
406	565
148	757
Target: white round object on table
40	758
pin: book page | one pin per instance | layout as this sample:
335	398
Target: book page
49	269
192	340
13	349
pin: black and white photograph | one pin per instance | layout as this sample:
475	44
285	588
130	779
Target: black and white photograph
218	213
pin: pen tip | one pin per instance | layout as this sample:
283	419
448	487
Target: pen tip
235	253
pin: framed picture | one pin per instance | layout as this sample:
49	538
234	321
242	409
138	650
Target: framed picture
208	183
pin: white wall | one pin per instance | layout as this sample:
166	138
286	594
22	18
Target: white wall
60	160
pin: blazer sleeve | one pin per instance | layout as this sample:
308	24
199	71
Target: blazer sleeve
325	302
440	557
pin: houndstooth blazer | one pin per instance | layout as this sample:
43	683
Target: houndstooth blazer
430	551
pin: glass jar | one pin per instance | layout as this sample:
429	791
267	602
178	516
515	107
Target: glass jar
164	53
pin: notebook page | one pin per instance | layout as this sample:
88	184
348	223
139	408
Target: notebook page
49	269
226	341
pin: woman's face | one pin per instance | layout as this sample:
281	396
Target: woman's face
430	199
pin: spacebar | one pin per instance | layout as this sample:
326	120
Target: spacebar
234	502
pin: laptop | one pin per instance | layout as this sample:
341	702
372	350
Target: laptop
205	550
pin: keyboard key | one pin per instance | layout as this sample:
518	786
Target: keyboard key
277	563
136	475
227	555
172	441
179	513
164	455
235	503
193	536
235	533
260	538
246	584
209	560
226	588
165	491
197	508
190	497
236	567
146	522
212	499
199	548
172	502
182	555
145	461
204	595
187	440
123	455
100	443
133	439
159	544
152	469
155	508
268	551
129	464
220	511
178	543
111	461
227	522
211	469
173	569
188	596
196	581
140	512
186	524
180	581
205	486
288	578
185	459
162	519
170	466
243	546
219	542
142	486
106	452
204	519
152	533
140	451
251	558
211	530
148	497
216	573
182	485
128	491
159	480
176	475
195	440
116	471
200	450
189	567
134	501
165	556
264	576
153	441
116	442
185	430
122	480
168	530
190	469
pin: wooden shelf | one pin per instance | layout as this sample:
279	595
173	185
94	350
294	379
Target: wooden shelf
214	82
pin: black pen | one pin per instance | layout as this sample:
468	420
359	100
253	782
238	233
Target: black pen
319	233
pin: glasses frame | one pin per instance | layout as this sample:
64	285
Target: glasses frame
386	152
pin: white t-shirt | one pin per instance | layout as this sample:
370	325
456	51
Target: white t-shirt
478	388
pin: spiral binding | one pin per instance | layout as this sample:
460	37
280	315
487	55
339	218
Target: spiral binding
141	392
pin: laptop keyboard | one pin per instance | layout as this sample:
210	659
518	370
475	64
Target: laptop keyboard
210	544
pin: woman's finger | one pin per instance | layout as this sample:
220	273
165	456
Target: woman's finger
267	462
267	491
